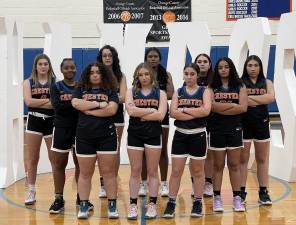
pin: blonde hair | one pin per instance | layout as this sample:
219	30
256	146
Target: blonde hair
136	83
50	75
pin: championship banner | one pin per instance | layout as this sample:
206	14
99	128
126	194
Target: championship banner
240	9
162	12
158	12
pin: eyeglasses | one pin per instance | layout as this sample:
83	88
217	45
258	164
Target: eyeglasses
202	61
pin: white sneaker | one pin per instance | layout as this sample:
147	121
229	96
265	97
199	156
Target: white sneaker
208	189
83	211
132	212
151	212
30	200
164	190
102	192
143	189
112	211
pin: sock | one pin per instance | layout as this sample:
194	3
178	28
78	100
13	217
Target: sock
102	181
77	197
83	202
163	182
133	201
209	180
59	195
31	187
144	182
236	193
191	179
152	199
217	193
262	189
243	189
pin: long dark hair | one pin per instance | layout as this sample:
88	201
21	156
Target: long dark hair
107	77
210	72
196	68
115	65
161	76
246	76
233	80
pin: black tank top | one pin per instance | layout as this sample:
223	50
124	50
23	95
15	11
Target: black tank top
136	124
225	123
40	91
186	100
259	112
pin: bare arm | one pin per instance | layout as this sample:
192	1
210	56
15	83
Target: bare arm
241	107
176	113
122	89
83	105
133	110
266	98
162	109
32	102
218	107
107	111
204	110
170	87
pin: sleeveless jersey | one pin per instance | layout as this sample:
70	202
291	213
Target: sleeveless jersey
89	126
61	96
259	112
40	91
186	100
120	112
225	123
138	125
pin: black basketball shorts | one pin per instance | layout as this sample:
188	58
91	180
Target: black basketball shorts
139	142
39	124
63	139
258	132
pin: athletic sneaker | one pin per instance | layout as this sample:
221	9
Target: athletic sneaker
237	204
208	189
112	210
143	189
83	210
90	205
132	212
151	212
30	200
57	206
164	190
243	197
192	194
169	211
196	209
102	192
217	204
264	198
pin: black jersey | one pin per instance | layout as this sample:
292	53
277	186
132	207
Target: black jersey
225	123
92	126
136	124
40	91
258	112
186	100
162	78
61	96
119	116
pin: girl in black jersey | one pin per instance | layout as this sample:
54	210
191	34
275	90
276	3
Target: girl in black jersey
164	79
225	137
65	121
109	57
147	105
40	118
204	77
96	138
190	106
256	125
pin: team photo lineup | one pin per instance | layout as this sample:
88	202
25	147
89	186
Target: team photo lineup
217	114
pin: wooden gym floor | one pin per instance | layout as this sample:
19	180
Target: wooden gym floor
13	211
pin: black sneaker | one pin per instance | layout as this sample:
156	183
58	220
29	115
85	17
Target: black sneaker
264	198
169	211
57	206
243	197
196	209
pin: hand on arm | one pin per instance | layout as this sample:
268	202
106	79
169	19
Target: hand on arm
178	113
31	102
266	98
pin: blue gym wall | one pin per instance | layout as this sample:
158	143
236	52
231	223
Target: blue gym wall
84	56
